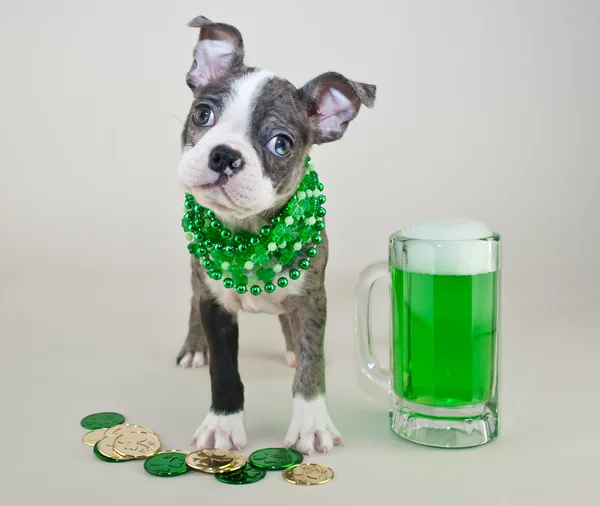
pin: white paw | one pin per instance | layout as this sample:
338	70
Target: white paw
195	360
311	427
225	432
290	358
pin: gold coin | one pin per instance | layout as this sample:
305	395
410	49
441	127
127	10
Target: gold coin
308	474
173	451
210	460
106	448
92	437
137	445
238	463
123	428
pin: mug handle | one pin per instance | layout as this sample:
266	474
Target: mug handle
368	362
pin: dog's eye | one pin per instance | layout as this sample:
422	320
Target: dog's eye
203	116
280	145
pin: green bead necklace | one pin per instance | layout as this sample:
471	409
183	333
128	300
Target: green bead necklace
243	258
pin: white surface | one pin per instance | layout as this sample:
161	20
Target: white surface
115	347
484	109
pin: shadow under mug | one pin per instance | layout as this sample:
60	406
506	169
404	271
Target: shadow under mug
444	292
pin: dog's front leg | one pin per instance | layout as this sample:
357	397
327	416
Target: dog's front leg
223	427
311	427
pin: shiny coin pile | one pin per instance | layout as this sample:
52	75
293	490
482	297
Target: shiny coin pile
113	440
227	467
116	441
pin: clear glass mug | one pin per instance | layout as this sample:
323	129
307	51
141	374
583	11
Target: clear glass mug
444	291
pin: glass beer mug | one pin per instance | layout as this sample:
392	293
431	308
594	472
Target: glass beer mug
444	280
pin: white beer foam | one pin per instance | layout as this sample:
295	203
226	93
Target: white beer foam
448	247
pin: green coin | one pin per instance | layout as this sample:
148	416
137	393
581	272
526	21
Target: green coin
274	459
167	464
246	475
102	457
102	420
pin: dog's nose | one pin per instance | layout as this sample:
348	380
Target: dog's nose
223	157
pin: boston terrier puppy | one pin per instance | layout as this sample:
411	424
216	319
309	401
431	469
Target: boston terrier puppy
244	145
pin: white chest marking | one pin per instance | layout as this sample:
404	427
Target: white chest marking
270	303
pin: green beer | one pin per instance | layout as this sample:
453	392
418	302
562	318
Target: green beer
444	331
444	278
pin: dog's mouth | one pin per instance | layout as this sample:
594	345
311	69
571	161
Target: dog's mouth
220	189
216	197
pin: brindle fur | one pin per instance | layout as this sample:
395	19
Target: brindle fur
213	328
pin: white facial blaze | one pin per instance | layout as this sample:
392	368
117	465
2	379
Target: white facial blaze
248	191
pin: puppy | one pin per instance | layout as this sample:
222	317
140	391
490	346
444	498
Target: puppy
244	144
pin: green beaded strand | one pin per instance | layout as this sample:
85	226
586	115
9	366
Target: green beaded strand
244	257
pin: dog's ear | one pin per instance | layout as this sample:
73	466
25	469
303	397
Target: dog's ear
220	48
332	101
